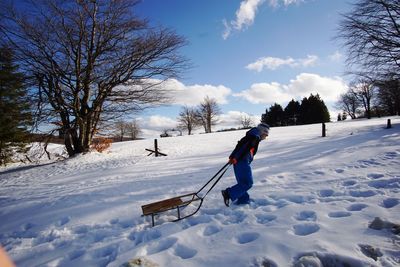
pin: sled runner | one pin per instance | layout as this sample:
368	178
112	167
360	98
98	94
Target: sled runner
181	202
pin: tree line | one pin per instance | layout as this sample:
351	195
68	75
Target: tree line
310	110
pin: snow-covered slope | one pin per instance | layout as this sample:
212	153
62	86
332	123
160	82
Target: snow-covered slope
313	197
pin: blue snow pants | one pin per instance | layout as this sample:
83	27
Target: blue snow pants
244	180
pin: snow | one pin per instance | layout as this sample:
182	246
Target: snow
314	199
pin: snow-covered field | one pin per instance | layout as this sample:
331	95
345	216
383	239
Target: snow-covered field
314	199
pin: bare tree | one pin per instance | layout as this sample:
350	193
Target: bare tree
371	34
89	61
349	103
187	119
207	113
365	92
120	130
246	121
133	129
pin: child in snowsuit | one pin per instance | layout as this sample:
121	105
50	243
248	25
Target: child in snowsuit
241	157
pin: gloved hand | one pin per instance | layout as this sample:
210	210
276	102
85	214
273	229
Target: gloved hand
232	161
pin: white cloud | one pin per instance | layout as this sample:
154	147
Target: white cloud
232	119
277	3
290	2
328	88
310	61
192	95
336	57
304	85
246	14
264	93
273	63
227	30
156	122
153	126
244	17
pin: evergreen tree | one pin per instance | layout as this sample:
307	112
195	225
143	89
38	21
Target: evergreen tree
15	114
305	113
264	116
314	110
274	116
292	112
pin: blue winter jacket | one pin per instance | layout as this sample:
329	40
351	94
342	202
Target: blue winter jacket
247	147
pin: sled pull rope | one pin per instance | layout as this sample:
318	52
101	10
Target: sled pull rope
221	173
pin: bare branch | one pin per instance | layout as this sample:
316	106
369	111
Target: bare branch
91	61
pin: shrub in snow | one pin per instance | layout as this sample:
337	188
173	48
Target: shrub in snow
100	144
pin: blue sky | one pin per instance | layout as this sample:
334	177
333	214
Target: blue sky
250	54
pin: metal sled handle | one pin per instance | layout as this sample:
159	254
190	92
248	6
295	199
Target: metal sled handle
222	171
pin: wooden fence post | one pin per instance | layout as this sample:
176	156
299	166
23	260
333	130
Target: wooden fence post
389	124
156	147
323	130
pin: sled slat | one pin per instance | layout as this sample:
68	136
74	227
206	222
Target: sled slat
161	206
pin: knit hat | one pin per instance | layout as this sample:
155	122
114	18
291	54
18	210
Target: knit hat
263	128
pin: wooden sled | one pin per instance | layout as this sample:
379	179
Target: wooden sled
177	203
181	202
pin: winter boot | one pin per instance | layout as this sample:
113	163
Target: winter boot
226	197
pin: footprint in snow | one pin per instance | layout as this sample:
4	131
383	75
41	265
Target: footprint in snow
385	183
261	203
391	155
210	230
184	252
248	237
109	253
349	183
81	229
211	211
390	203
265	218
193	221
126	224
369	163
326	193
339	171
114	221
360	193
306	215
27	226
339	214
262	261
63	221
235	217
305	229
375	175
357	207
162	245
144	236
